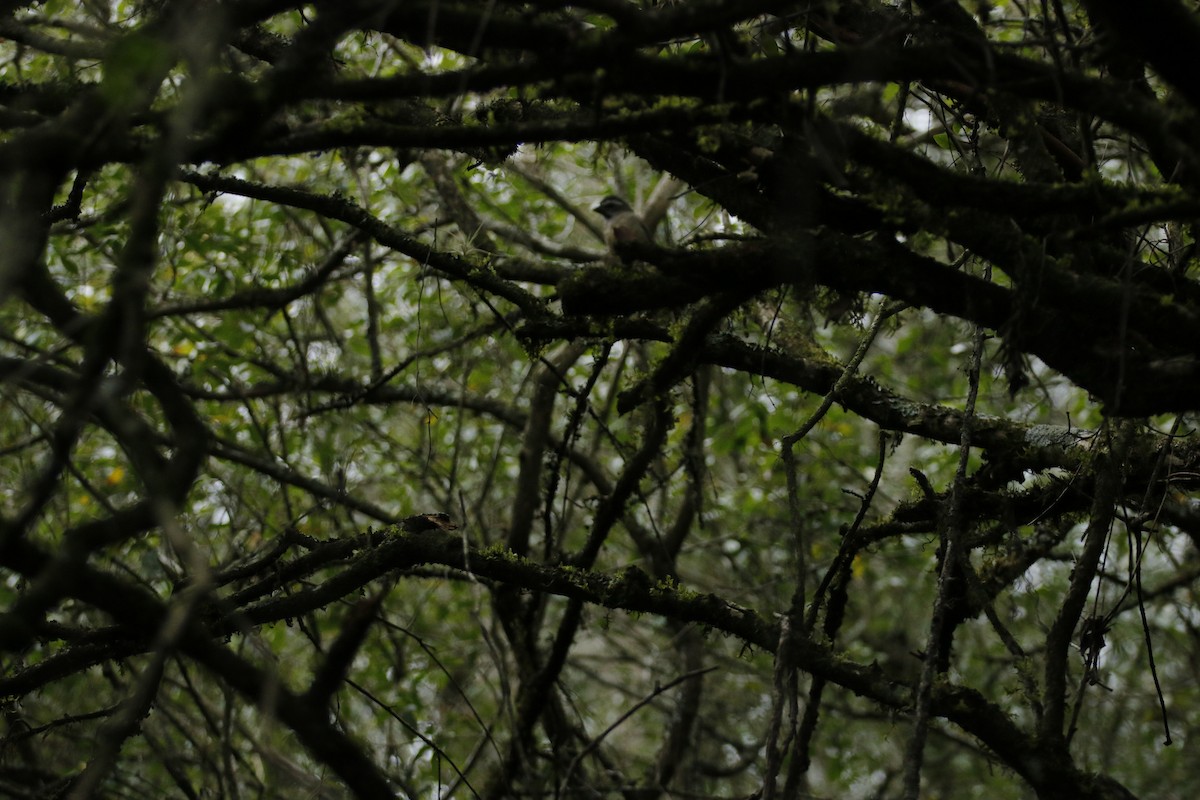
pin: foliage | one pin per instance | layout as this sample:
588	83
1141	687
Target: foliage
340	456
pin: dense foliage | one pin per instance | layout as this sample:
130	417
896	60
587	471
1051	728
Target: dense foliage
340	456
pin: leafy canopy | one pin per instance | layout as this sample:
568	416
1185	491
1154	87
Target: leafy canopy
340	456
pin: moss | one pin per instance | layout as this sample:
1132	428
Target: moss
501	551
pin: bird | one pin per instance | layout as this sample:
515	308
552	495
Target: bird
430	521
622	225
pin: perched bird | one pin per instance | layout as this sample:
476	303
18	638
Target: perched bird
622	225
434	520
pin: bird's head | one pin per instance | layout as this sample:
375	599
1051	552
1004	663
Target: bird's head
611	206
